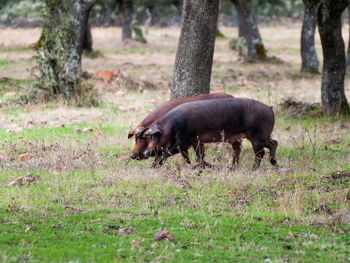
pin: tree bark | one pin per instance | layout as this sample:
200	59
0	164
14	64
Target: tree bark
126	9
81	20
334	66
248	29
308	52
194	55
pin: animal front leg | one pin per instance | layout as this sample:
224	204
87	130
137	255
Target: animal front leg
184	154
165	154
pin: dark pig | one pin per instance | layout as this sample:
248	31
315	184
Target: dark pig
224	120
141	142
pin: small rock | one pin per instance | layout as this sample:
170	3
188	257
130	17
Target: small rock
26	157
87	130
164	235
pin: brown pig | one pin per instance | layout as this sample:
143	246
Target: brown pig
141	142
221	120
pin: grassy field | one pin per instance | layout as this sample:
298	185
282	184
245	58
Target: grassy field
87	201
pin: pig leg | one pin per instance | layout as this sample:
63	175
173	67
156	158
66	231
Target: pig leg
199	149
236	151
258	148
185	156
166	153
156	160
272	146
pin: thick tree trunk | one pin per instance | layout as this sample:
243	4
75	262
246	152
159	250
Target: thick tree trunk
308	52
126	9
87	42
81	20
248	28
334	66
194	56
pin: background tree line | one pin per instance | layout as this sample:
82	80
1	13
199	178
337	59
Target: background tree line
104	11
192	70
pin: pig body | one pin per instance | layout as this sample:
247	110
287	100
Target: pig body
142	142
225	120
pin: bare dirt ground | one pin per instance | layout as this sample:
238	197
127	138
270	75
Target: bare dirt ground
154	61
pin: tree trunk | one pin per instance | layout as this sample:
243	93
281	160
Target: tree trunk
126	9
152	14
334	66
308	52
194	55
348	53
81	20
248	28
87	42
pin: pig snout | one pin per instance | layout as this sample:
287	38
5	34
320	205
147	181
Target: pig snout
137	156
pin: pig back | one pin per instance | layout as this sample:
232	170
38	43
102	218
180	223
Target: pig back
230	115
169	105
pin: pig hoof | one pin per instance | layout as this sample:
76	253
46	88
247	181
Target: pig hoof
231	168
273	162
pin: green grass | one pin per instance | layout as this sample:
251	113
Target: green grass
86	221
103	237
4	63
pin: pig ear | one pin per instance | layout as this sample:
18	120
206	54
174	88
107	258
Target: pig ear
131	133
152	130
137	131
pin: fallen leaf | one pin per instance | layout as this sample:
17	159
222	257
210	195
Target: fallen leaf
164	235
230	193
85	157
105	75
26	157
22	180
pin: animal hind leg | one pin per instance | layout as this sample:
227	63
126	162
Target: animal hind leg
236	151
259	154
272	146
